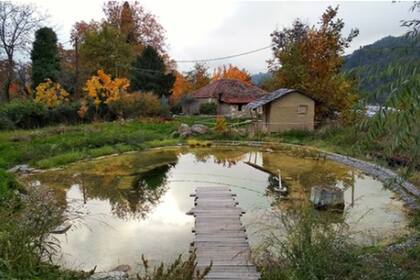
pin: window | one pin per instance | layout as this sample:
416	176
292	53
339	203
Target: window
240	107
302	109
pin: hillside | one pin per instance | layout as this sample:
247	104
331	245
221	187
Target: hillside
371	64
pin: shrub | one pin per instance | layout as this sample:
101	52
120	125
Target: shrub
50	94
132	105
7	184
221	124
65	113
176	108
23	114
30	114
208	108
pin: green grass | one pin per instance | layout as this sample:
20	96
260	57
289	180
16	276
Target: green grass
55	146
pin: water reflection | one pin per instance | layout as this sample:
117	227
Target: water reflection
136	203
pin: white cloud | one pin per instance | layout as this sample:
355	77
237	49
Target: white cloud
212	28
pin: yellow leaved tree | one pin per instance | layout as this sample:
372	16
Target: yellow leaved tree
102	89
50	94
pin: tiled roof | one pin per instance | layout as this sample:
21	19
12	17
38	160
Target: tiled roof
230	91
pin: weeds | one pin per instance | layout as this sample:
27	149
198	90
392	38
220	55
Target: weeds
26	248
178	270
312	247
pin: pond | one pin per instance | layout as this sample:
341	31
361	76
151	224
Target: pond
121	207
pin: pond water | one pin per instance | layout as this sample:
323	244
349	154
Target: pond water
124	206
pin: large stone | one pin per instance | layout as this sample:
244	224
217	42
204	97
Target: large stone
122	268
199	129
184	130
21	168
327	198
113	275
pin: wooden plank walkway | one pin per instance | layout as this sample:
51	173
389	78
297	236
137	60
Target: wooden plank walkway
220	237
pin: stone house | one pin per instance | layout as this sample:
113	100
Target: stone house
230	96
285	109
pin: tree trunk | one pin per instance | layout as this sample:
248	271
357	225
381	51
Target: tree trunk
77	94
9	80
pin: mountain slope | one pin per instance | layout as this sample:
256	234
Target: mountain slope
372	65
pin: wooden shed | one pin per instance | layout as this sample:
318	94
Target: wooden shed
285	109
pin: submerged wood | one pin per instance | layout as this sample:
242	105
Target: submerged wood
327	198
61	229
220	238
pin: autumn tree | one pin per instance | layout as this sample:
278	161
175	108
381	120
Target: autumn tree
101	89
17	24
105	48
138	26
309	58
199	76
231	72
148	73
45	57
77	36
50	94
180	88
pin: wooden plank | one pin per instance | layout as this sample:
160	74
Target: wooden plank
220	238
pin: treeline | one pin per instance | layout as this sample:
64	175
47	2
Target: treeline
116	67
372	66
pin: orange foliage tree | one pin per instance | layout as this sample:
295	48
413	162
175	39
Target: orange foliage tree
180	88
138	25
102	89
231	72
50	94
309	58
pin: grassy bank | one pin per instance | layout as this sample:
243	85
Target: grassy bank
58	145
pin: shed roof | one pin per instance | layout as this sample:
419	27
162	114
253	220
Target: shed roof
271	97
230	91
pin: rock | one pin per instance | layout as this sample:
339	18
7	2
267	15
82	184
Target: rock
327	198
184	130
122	268
113	275
199	129
21	168
411	242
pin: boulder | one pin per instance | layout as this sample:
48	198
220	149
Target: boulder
327	198
21	168
122	268
113	275
199	129
184	130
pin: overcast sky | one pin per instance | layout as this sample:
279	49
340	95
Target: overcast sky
197	29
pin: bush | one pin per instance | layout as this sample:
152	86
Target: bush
208	108
23	114
176	108
7	184
28	114
132	105
65	113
